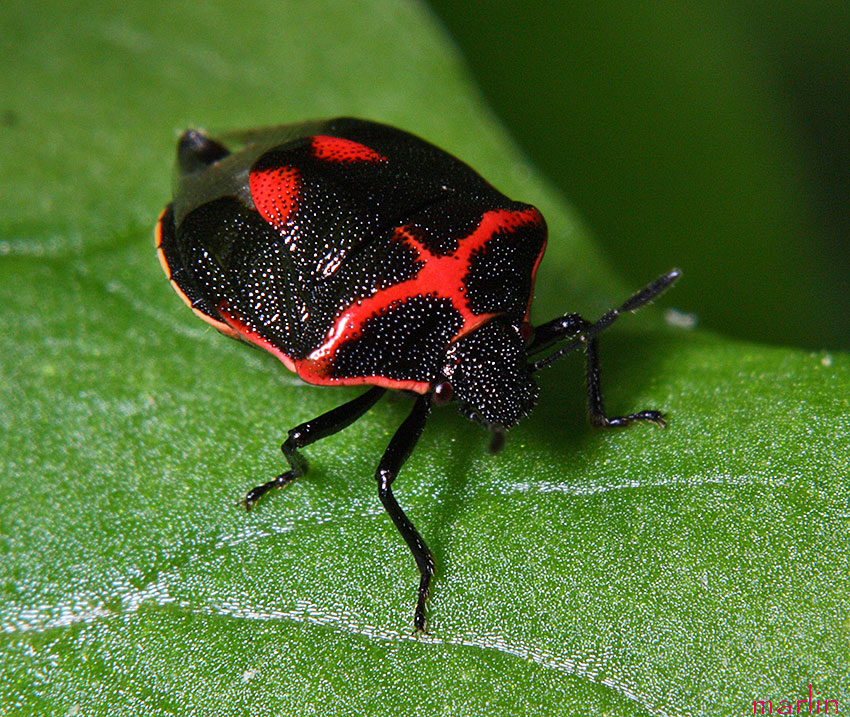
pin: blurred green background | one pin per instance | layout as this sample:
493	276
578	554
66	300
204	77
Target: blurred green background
714	136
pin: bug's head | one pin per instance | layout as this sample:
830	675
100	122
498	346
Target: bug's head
486	374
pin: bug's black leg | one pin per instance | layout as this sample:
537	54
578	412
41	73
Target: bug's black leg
397	453
321	427
571	325
584	333
595	406
555	330
551	330
497	439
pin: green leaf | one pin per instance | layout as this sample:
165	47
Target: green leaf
684	571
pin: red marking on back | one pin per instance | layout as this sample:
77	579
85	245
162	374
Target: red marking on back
337	149
309	372
440	275
275	194
305	369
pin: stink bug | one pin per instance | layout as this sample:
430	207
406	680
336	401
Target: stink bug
359	254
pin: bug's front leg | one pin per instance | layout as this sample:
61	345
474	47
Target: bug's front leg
573	325
398	451
582	333
303	435
556	330
595	405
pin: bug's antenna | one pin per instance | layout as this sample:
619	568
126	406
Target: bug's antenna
644	296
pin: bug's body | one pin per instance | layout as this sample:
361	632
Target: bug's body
357	255
360	254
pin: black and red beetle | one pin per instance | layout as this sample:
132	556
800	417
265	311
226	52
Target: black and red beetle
360	254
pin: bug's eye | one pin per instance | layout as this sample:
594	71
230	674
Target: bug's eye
443	393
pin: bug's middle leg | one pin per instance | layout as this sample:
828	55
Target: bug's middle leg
303	435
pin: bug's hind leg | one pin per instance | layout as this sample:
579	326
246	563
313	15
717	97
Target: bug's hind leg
398	451
595	405
303	435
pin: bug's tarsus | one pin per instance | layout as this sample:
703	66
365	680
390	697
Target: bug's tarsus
398	451
303	435
259	491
